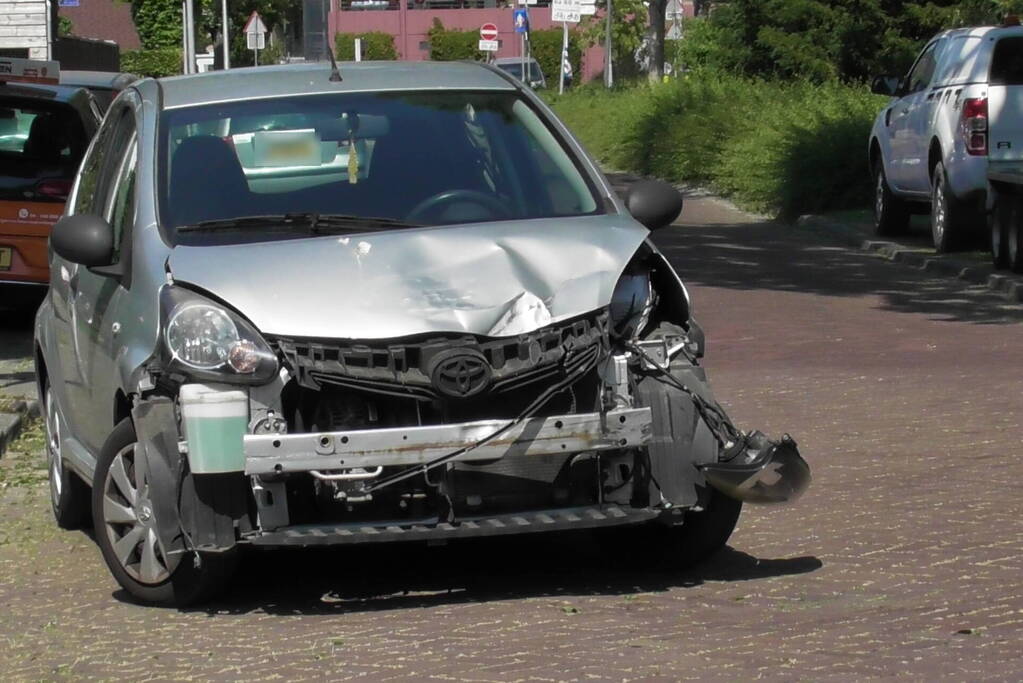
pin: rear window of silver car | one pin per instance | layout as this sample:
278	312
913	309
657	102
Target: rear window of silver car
379	155
1007	62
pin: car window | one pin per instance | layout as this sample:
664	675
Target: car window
121	214
100	168
920	75
429	158
1007	62
41	144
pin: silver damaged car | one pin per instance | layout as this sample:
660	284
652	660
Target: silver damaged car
395	302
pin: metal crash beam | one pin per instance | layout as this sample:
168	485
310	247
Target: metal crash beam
277	453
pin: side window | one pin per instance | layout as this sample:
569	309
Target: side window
101	166
920	75
121	213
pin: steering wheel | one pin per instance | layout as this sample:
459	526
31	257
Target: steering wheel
423	209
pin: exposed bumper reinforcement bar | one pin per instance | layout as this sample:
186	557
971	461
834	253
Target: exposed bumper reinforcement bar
431	530
409	446
766	472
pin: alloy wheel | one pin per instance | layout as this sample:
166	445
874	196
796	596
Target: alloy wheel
938	211
129	522
56	463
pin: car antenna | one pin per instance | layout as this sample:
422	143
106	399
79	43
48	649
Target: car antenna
335	75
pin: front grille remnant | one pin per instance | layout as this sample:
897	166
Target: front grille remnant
402	367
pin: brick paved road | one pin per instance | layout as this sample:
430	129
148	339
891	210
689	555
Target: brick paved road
902	560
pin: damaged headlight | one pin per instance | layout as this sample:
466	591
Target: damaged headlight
205	340
632	303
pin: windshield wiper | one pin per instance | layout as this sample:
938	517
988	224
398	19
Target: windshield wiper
315	223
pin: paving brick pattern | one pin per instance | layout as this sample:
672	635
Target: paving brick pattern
903	560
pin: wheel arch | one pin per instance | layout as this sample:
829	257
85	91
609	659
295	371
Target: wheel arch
934	155
874	155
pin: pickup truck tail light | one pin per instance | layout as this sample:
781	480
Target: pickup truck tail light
974	125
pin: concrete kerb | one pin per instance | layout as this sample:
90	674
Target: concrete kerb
14	415
1009	286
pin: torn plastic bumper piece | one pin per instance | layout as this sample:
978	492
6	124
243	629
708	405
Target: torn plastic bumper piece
764	471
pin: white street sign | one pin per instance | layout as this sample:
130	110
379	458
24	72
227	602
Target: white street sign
587	9
565	10
528	2
254	24
255	41
489	45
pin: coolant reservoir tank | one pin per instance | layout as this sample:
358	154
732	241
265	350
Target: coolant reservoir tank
215	417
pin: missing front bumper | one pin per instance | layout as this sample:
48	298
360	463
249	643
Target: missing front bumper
267	454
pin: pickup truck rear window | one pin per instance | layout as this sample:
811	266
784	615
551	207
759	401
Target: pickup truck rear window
1007	62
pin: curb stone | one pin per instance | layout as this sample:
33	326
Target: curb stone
1009	286
14	418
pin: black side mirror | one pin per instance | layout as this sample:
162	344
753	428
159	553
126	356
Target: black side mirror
83	239
885	85
653	203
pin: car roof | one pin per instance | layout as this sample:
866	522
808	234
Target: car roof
97	79
513	60
44	91
981	31
313	78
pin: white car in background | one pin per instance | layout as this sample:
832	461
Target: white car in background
956	113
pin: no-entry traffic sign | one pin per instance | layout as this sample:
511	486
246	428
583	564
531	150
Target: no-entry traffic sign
488	32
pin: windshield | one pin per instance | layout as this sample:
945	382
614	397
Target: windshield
515	69
419	158
41	144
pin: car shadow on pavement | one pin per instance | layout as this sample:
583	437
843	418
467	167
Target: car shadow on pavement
773	256
559	566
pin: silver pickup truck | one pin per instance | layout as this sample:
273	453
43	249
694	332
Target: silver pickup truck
955	115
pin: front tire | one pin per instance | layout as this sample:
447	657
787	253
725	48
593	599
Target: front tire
700	536
999	223
891	214
1014	237
126	533
69	495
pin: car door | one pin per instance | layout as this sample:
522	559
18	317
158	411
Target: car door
98	295
81	297
908	142
68	383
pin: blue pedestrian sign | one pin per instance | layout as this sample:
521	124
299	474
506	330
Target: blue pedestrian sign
521	20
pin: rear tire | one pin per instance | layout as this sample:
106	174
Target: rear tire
126	534
999	223
891	214
1014	237
949	216
69	495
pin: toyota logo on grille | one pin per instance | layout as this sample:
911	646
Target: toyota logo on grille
460	373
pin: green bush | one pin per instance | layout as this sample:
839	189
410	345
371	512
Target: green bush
545	46
376	45
789	148
450	45
156	63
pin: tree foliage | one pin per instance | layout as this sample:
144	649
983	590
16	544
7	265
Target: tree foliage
158	23
545	46
450	44
821	40
628	30
376	45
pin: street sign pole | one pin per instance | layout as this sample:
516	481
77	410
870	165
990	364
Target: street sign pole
226	35
608	77
564	57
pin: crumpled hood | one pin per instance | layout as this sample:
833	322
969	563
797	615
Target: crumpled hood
494	279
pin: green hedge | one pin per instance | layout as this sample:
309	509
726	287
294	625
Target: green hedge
449	45
789	148
158	62
545	47
376	45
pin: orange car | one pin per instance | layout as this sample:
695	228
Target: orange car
44	131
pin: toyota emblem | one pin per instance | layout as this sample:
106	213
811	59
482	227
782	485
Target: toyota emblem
460	373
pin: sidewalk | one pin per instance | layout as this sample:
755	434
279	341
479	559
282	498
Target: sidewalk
914	249
18	396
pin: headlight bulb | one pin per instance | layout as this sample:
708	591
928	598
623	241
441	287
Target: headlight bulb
632	304
201	336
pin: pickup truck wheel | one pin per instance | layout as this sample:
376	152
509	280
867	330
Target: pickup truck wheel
69	495
891	214
948	214
1014	236
126	533
999	223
